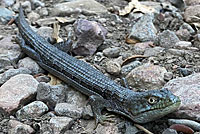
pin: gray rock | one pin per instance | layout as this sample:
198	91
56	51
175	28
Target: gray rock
102	20
135	16
178	3
114	18
45	32
197	41
43	78
188	27
191	12
76	98
168	76
111	52
1	37
130	129
43	12
147	76
192	2
169	131
113	67
50	114
166	39
5	15
16	7
30	65
47	128
153	51
87	112
89	126
127	68
60	123
90	35
77	7
37	3
168	20
17	127
198	37
143	30
69	110
17	91
139	48
8	3
27	6
108	129
183	45
10	50
50	21
187	88
190	123
51	94
5	64
158	6
33	110
183	34
12	72
176	52
32	16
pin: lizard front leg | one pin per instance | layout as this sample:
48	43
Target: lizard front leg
27	49
98	103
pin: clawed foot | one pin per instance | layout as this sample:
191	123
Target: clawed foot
98	103
102	119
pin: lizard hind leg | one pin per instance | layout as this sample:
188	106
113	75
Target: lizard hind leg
98	104
64	46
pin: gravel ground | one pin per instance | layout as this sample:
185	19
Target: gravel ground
154	44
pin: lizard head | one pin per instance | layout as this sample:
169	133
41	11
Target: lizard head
147	106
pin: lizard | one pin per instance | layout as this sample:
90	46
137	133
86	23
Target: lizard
140	107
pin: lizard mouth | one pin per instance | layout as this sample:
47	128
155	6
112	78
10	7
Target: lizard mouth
154	114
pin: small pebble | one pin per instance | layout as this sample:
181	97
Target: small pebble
182	128
8	2
169	131
27	6
113	67
1	37
111	52
192	124
32	16
43	12
127	68
168	76
37	3
69	110
32	110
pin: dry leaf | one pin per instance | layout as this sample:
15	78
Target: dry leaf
138	8
55	35
54	80
132	58
37	75
131	41
196	25
56	27
61	19
195	18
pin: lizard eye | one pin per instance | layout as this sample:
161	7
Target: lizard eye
152	100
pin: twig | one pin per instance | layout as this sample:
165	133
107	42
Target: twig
143	129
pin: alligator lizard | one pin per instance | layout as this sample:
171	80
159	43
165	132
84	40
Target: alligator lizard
140	107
